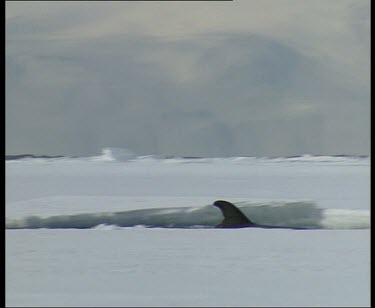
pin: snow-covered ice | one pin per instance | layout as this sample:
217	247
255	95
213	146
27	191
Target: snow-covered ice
193	264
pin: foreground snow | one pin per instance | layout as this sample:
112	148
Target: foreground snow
174	267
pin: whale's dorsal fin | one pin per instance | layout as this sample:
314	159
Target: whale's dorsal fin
233	217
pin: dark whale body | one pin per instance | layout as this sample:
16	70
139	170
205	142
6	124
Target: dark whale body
234	218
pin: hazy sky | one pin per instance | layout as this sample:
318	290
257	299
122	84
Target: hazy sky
241	78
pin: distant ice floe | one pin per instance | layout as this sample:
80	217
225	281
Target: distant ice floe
115	154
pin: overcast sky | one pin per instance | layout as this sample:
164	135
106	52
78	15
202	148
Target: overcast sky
241	78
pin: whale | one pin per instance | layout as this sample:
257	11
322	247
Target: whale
234	218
